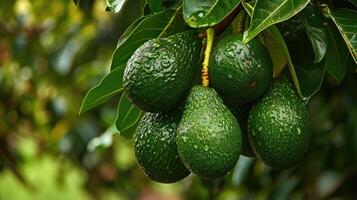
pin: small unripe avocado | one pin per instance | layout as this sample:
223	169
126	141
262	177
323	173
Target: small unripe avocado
240	72
208	136
279	127
155	147
159	74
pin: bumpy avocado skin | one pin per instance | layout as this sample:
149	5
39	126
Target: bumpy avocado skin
155	147
279	127
208	136
241	112
159	74
240	72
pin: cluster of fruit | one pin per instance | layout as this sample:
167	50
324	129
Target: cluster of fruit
192	128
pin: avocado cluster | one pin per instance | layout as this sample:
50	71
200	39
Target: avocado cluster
193	128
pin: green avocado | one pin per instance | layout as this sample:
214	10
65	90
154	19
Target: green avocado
241	112
279	127
155	147
240	72
159	74
208	136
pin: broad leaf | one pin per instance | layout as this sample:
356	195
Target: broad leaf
198	13
143	30
115	5
316	31
127	116
346	22
336	55
277	48
109	86
269	12
309	74
155	5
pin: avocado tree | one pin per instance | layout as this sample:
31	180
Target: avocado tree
222	78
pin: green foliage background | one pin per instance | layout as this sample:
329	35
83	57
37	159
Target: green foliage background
52	52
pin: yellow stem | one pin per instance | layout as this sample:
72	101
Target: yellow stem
205	64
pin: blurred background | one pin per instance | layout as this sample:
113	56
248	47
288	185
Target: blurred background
52	52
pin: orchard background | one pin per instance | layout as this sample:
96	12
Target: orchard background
53	52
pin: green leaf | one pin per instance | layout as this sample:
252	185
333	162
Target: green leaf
155	5
128	116
309	74
269	12
316	31
198	13
109	86
336	55
142	30
277	48
115	5
345	21
275	43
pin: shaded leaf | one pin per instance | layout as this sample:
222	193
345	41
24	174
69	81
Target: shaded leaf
270	12
127	115
141	31
109	86
336	55
345	21
198	13
115	5
316	31
155	5
309	74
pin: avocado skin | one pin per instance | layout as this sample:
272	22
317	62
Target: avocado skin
208	136
241	112
155	147
240	72
159	74
279	127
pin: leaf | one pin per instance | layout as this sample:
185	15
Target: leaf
115	5
109	86
143	30
127	116
316	31
345	21
275	45
198	13
269	12
129	30
277	48
336	55
155	5
309	74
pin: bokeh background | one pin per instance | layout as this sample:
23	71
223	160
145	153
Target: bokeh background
52	52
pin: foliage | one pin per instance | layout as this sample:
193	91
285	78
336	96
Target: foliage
51	52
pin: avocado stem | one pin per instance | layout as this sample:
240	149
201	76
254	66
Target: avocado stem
207	55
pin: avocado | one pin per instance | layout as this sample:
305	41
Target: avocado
208	136
159	74
241	112
279	127
155	147
240	72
